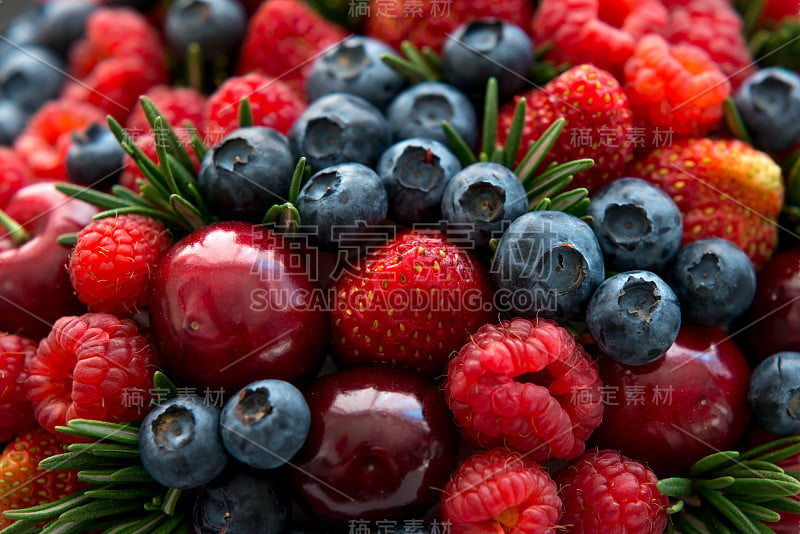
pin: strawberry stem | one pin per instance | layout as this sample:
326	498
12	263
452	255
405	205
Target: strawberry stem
14	230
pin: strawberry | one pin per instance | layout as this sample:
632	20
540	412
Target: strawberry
724	188
21	485
410	302
599	122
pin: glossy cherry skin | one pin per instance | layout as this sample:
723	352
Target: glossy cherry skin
774	316
232	304
689	403
381	439
34	282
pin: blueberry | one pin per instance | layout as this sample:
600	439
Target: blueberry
12	121
354	66
62	22
482	48
547	264
637	224
769	104
246	173
339	199
216	25
265	423
95	158
634	317
488	197
420	110
774	393
340	128
714	280
180	443
21	30
30	76
415	173
241	502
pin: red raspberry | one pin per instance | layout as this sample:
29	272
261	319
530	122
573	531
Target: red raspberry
594	31
604	491
500	490
14	175
110	265
95	366
16	412
428	22
776	11
527	385
176	104
274	104
716	27
43	145
283	39
675	88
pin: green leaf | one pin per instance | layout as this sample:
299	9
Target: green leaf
558	173
140	526
172	525
675	486
67	240
74	461
418	60
514	136
763	487
61	526
194	219
736	517
783	504
751	465
734	121
161	382
297	179
712	519
45	511
98	509
172	143
187	184
134	474
123	494
498	156
490	112
756	512
404	68
161	150
711	462
458	145
153	213
245	113
771	448
22	527
537	150
198	146
675	507
91	196
792	448
684	525
170	501
122	192
574	201
715	483
106	450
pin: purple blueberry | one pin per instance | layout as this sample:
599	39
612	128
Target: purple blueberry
339	199
340	128
30	76
180	444
420	110
12	121
62	22
547	264
265	423
774	393
415	173
637	224
769	104
216	25
486	196
246	173
95	158
355	66
634	317
714	280
484	48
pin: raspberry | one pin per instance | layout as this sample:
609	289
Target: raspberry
604	491
675	87
428	22
43	145
274	104
283	39
16	412
527	385
110	265
594	31
14	175
500	490
716	27
95	366
176	104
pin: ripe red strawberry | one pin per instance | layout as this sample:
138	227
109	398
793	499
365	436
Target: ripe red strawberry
674	88
592	31
274	104
44	143
410	302
111	265
14	175
95	366
283	39
500	490
724	188
527	385
21	484
16	412
428	22
604	491
599	122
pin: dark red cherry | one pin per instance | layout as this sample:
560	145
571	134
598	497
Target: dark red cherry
381	441
233	303
689	403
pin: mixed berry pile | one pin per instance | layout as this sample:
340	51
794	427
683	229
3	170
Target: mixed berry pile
395	267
